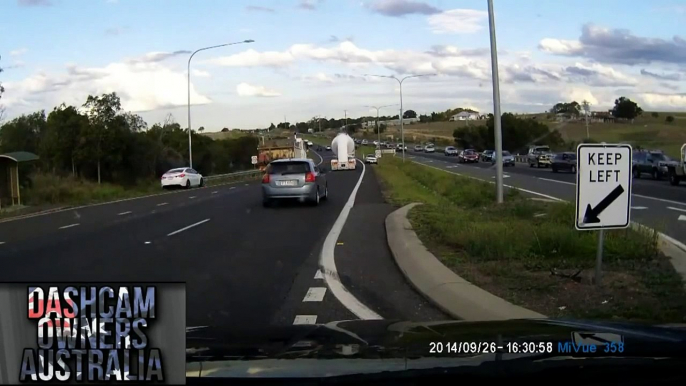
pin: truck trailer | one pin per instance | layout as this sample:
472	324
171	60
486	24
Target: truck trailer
343	148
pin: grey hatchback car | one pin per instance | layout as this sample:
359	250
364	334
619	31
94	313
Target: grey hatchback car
294	178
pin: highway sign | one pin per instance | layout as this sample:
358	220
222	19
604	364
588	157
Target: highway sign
253	159
603	186
377	153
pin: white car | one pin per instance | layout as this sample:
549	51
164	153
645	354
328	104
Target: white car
181	177
370	159
309	143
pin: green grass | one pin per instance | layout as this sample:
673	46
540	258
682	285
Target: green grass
512	249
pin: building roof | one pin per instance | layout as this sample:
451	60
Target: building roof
20	156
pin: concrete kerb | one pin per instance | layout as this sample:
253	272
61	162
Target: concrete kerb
454	295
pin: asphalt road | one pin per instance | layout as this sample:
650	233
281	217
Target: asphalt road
244	265
655	203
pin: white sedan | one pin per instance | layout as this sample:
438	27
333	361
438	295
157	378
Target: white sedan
182	177
371	159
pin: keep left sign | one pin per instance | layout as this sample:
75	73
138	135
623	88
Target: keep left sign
603	186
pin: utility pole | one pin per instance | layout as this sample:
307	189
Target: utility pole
587	111
346	119
496	108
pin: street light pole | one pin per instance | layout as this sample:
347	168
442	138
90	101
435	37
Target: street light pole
496	108
378	132
400	82
190	147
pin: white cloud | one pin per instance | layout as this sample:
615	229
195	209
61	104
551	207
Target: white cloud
200	74
560	47
18	52
245	89
252	58
663	101
141	86
457	21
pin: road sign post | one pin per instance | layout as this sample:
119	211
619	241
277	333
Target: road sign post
603	191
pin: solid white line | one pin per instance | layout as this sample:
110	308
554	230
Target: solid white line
328	263
189	227
319	275
69	226
315	294
321	159
492	182
123	213
660	199
679	209
163	203
558	181
305	319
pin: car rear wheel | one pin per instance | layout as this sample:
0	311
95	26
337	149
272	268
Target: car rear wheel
188	184
202	182
315	202
326	192
655	174
637	173
574	169
674	179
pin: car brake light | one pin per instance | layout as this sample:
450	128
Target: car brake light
181	175
265	179
309	177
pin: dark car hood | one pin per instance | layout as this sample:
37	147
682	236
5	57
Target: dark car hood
386	345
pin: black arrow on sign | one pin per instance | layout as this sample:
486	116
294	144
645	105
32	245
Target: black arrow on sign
591	216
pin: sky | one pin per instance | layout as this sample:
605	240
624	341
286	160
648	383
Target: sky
314	57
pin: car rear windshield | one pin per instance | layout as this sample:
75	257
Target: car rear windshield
470	152
289	168
506	153
176	171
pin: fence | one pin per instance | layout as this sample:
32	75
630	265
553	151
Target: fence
218	179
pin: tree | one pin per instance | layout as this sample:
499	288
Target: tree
135	122
63	129
626	108
2	90
655	114
381	129
669	119
23	133
409	114
201	129
224	130
272	127
571	108
101	111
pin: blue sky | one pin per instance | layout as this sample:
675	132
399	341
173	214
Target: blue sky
309	57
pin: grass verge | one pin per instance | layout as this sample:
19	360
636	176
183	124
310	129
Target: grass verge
529	253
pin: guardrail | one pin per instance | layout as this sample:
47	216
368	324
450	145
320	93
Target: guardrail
247	175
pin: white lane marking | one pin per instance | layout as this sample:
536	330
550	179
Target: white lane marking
542	199
123	213
162	203
639	207
147	242
215	192
682	217
191	197
558	181
493	182
69	226
246	184
327	261
319	274
189	227
233	187
504	176
540	214
315	294
2	242
320	158
305	319
659	199
678	209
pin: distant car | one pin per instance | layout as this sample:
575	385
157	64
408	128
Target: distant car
418	148
539	156
365	142
468	156
309	143
450	151
294	178
429	149
508	159
487	155
328	148
370	159
181	177
400	147
653	162
564	162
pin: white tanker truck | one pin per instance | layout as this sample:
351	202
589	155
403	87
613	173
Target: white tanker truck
344	148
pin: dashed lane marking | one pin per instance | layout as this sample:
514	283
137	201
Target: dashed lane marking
162	203
305	319
189	227
215	192
69	226
123	213
558	181
233	187
319	274
191	197
315	294
2	242
639	207
677	209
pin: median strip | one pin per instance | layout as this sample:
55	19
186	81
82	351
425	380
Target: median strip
188	227
525	252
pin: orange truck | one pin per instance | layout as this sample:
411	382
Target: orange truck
267	154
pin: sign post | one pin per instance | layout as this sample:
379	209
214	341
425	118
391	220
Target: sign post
253	160
603	191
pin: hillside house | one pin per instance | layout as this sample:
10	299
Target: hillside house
465	116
